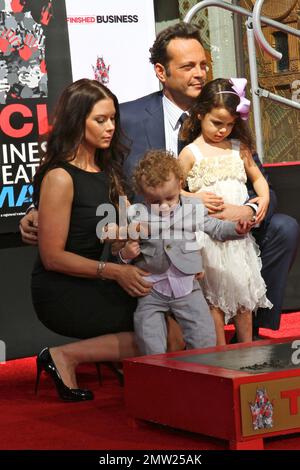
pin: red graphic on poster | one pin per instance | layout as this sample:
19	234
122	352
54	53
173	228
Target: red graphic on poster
24	97
262	410
101	71
46	14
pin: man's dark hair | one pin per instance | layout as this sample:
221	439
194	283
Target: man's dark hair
158	52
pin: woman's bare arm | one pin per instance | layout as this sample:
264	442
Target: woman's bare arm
54	220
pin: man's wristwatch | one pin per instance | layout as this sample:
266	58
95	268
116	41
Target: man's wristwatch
254	207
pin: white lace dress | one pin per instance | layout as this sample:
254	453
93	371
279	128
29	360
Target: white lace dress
232	268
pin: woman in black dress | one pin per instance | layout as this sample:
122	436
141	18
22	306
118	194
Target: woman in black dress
75	294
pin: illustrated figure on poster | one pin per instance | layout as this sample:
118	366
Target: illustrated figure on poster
101	71
23	72
4	86
261	410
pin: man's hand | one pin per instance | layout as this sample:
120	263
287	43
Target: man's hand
263	204
212	202
235	213
29	227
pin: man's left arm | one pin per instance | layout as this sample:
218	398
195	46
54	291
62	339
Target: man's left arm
248	210
252	194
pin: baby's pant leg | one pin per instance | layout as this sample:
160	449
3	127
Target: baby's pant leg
150	323
193	315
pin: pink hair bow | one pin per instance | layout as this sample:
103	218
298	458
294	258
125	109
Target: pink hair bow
239	86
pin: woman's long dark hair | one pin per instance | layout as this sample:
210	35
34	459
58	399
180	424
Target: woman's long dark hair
210	97
67	132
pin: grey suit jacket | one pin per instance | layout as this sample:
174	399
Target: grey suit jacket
181	247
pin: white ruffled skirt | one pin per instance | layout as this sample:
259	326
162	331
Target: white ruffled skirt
232	278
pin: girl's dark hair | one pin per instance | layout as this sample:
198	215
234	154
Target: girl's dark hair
68	129
210	97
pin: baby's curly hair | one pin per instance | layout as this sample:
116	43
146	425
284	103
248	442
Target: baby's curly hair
154	169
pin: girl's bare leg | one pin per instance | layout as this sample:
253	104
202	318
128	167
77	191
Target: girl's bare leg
218	317
243	326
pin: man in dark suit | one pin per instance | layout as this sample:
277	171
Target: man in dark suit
153	121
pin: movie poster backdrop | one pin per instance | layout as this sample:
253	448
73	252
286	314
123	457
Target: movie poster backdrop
44	46
34	67
114	37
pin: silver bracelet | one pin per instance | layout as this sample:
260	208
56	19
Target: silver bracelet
100	268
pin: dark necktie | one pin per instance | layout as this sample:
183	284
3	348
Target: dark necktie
181	143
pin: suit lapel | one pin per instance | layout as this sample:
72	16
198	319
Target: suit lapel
183	217
154	123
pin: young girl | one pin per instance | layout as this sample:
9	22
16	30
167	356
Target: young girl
217	164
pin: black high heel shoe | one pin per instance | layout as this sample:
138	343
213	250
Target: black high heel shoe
45	362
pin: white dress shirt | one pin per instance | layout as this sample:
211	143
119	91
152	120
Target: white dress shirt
172	114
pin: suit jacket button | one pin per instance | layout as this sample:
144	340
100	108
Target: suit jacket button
168	247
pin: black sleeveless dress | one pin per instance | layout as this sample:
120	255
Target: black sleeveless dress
74	306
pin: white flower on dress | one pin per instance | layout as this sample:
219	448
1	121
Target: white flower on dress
212	169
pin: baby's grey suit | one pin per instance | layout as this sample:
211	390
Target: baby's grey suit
183	251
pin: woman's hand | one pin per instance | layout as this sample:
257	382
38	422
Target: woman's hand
211	201
131	279
263	204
